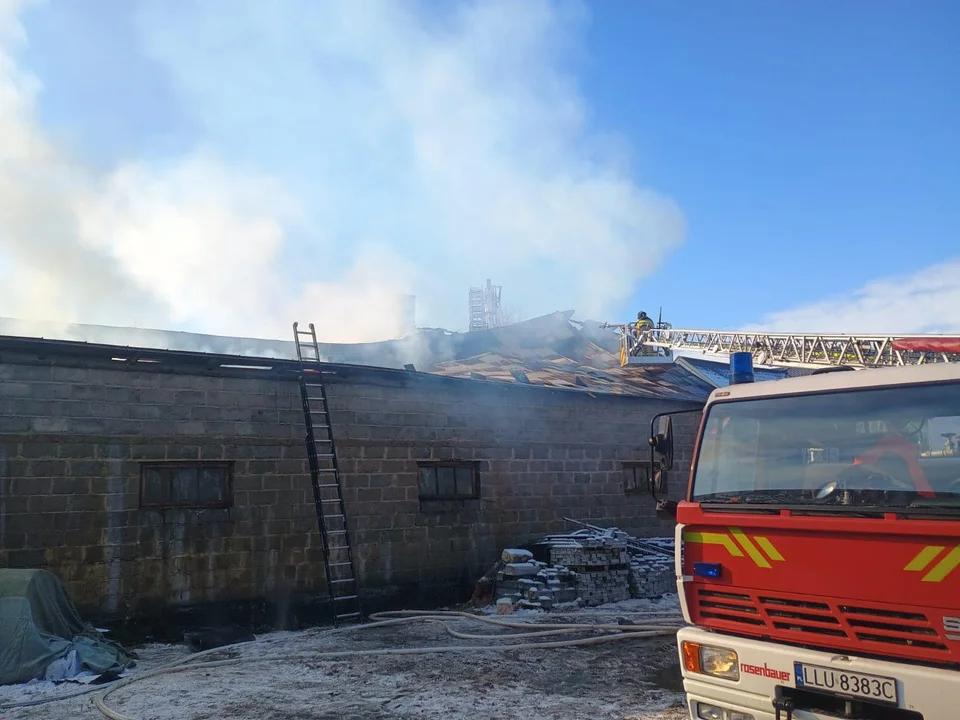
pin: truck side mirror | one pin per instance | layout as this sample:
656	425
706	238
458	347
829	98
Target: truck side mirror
662	442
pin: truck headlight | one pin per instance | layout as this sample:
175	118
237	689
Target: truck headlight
709	660
709	712
706	711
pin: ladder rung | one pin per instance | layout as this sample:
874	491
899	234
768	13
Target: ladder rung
337	532
329	485
325	456
339	564
348	615
345	597
333	516
346	580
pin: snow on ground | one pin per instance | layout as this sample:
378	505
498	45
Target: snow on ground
282	678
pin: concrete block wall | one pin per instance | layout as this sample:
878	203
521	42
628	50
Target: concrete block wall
72	440
543	455
71	444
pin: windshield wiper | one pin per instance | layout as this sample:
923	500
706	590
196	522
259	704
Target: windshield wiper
935	503
770	497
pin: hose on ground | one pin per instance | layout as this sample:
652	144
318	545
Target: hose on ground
385	619
658	624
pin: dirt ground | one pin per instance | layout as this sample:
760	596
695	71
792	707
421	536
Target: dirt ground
632	679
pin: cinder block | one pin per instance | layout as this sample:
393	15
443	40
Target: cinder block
188	451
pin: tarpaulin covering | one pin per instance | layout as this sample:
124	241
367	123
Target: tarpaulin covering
39	625
940	345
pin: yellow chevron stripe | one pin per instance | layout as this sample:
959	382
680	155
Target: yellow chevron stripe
751	549
713	539
944	567
769	549
924	558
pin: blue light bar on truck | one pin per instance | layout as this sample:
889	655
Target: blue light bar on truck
741	368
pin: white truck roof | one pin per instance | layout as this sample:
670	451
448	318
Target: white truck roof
841	380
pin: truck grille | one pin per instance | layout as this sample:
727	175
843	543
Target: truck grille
906	633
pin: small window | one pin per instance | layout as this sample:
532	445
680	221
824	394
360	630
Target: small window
185	485
636	477
448	481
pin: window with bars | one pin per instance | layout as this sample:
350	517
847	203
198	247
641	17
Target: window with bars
636	477
448	480
186	484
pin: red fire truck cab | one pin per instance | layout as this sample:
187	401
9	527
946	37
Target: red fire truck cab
818	548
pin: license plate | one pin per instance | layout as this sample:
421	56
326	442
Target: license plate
850	684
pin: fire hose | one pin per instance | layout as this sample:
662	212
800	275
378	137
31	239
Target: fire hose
655	626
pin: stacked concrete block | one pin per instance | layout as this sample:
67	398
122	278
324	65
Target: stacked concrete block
533	584
602	565
585	555
590	567
605	586
651	576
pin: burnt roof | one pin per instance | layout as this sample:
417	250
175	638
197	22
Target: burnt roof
551	351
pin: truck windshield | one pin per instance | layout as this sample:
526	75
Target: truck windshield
894	446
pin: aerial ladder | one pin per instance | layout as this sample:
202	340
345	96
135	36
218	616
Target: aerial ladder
790	350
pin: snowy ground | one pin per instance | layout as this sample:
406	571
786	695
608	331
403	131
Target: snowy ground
634	679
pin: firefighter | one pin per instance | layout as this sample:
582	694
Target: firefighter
643	323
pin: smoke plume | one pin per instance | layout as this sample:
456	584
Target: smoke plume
327	157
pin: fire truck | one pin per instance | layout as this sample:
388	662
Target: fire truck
818	539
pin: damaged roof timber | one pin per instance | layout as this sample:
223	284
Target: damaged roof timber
33	351
551	351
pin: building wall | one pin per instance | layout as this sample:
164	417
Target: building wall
72	440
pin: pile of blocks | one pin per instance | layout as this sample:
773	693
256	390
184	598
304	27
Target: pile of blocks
528	583
601	565
651	577
589	567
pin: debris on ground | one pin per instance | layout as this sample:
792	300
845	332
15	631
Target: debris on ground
589	567
285	677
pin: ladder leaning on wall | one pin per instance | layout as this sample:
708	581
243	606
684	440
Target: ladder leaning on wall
325	477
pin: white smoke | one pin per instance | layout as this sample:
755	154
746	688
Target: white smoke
346	153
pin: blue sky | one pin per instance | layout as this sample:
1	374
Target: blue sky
225	167
816	144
